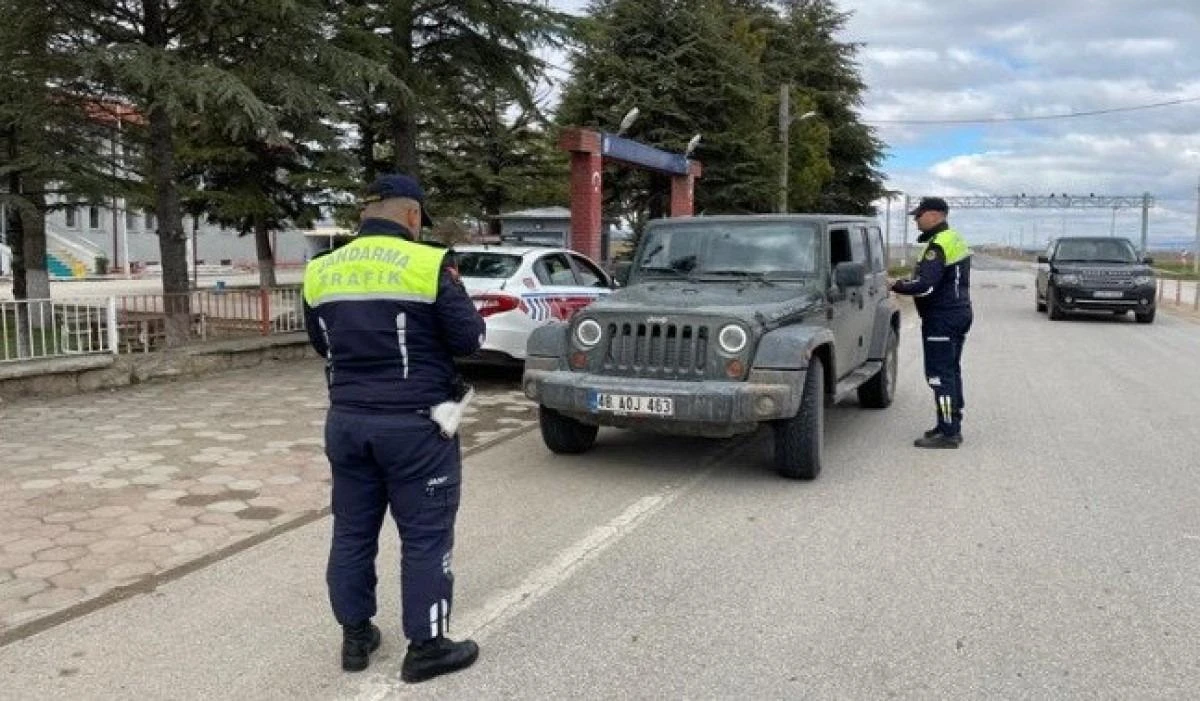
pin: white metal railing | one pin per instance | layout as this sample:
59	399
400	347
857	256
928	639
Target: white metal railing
35	329
43	328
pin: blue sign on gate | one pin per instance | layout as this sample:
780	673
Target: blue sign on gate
621	149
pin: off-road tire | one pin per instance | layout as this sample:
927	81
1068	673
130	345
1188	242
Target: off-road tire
879	391
799	441
565	435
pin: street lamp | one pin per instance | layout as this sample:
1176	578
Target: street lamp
627	121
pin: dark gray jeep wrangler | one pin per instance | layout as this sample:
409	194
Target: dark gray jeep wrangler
726	323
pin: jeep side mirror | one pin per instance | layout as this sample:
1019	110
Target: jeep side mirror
1148	260
850	274
1044	259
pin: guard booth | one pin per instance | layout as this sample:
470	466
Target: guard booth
547	226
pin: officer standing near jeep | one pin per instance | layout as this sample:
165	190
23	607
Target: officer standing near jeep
940	288
389	316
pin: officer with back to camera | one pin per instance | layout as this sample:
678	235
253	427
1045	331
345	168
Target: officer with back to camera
389	316
941	289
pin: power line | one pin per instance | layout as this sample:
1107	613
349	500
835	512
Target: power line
1039	118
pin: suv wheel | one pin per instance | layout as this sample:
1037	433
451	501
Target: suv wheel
1056	311
879	391
800	439
565	435
1144	317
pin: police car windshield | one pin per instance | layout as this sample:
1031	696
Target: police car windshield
1095	251
756	249
486	264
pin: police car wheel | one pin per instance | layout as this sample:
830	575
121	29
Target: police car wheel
799	441
879	391
565	435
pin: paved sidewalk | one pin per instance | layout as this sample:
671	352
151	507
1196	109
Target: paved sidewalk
106	494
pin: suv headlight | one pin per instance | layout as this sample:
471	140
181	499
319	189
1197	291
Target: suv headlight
1066	278
1143	280
732	339
588	333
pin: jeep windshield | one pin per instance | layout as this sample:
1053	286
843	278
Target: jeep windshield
764	251
1094	251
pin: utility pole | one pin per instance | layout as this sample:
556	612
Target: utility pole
904	244
784	122
1145	221
887	230
1196	250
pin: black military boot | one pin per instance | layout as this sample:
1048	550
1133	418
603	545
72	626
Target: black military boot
430	658
935	431
358	642
938	441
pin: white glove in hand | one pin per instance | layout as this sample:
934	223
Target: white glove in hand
448	415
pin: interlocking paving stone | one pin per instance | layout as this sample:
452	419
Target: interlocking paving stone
130	484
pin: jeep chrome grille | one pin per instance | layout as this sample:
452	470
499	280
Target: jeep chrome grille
677	351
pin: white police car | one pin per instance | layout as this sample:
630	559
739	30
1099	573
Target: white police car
517	288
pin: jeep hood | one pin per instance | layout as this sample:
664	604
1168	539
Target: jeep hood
753	302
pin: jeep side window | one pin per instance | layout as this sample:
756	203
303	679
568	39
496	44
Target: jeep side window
839	247
878	264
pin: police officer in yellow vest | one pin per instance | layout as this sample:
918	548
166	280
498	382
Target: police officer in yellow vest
941	289
389	315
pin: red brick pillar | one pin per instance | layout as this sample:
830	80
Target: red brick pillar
586	190
682	191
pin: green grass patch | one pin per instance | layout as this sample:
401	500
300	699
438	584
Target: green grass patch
43	341
1175	269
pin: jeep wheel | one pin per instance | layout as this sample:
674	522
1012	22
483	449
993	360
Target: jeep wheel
1144	317
800	439
562	434
879	391
1056	312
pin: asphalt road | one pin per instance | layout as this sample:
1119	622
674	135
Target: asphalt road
1054	556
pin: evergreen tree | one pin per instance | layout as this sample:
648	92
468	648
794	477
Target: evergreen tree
805	52
429	45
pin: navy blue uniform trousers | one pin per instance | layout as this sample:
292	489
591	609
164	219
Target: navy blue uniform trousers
401	461
943	335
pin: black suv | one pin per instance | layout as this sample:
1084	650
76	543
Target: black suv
1095	273
727	323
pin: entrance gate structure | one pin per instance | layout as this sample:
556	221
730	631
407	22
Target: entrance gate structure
589	149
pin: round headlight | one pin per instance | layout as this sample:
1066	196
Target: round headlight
732	339
588	333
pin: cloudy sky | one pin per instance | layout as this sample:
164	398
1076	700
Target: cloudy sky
1015	66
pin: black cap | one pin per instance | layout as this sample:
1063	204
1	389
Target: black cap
392	185
931	204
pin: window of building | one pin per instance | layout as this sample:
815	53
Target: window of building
131	220
93	217
72	215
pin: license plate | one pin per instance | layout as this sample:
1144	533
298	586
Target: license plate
1108	294
632	404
